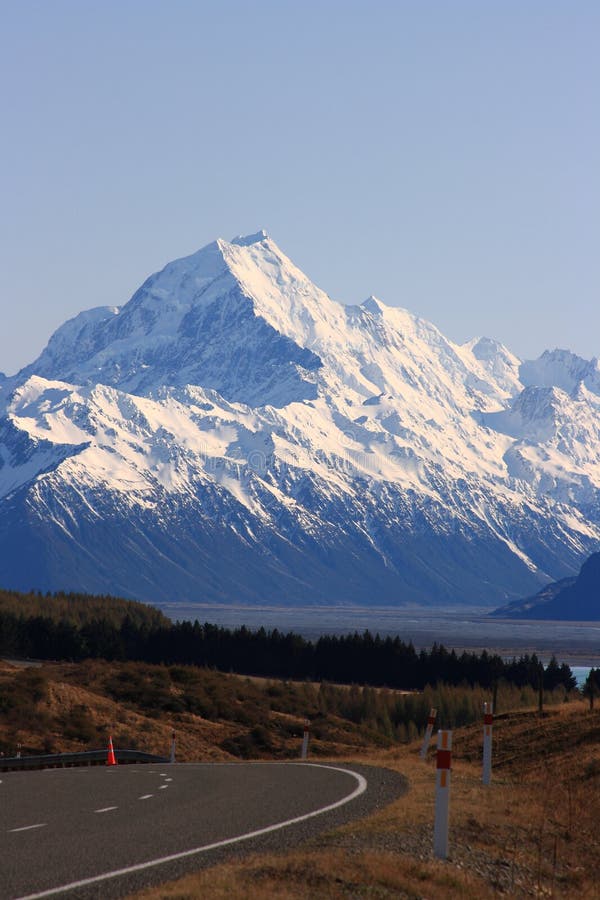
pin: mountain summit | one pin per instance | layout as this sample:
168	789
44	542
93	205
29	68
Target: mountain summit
234	434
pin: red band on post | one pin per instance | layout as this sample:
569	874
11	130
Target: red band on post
444	759
488	719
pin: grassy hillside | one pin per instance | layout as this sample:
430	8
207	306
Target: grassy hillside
75	706
67	707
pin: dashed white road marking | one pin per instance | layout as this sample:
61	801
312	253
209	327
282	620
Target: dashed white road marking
106	809
28	827
145	796
168	779
116	873
163	787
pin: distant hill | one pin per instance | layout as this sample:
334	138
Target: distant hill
80	609
570	600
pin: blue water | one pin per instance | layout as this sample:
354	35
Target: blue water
581	673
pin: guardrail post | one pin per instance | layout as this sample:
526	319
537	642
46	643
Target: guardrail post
428	732
172	754
305	739
488	721
442	794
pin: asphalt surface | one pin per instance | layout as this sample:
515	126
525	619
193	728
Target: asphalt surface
105	832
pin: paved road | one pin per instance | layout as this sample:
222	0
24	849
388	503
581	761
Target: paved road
103	832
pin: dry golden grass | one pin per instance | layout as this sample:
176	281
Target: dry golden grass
78	687
328	875
80	704
533	832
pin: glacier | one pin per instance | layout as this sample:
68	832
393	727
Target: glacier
234	435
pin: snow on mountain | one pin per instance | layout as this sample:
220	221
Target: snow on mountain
233	434
561	369
556	440
198	321
498	363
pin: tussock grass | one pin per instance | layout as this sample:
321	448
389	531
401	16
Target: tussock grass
219	715
325	874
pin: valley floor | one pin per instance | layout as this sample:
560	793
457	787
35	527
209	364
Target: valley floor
463	627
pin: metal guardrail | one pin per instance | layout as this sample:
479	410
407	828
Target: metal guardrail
85	758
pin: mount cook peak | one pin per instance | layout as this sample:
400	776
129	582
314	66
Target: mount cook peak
232	434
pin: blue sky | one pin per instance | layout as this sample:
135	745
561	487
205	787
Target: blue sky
442	155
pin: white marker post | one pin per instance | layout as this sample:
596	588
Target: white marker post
488	721
172	754
304	751
442	794
428	732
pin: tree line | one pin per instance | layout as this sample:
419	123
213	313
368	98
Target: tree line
79	608
348	659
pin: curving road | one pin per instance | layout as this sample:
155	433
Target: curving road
104	832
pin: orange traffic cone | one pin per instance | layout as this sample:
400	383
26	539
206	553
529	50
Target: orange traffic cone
111	759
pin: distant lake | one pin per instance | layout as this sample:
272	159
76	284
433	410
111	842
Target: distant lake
576	643
581	673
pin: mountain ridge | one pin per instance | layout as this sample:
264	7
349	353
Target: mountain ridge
570	599
263	443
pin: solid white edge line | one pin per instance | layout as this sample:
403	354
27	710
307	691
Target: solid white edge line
360	789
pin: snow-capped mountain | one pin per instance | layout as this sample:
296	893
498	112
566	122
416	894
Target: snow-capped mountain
232	434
